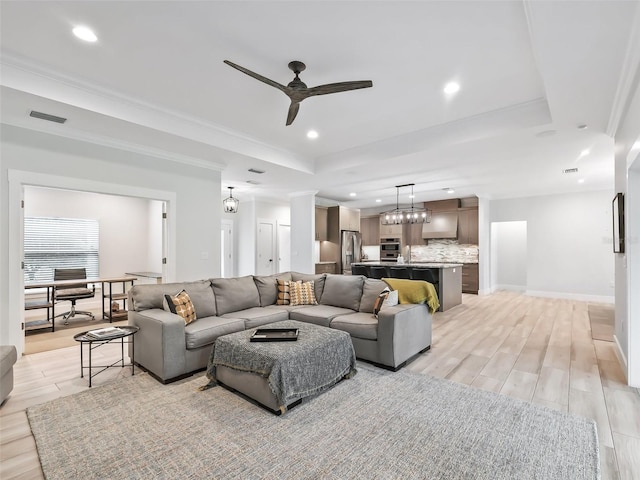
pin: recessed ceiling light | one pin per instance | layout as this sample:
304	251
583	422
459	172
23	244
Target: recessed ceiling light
584	152
85	33
581	180
378	200
451	87
449	190
312	134
583	126
352	194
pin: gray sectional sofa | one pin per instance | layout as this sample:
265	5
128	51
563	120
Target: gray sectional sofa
169	349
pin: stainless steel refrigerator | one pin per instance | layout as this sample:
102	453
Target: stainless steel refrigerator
351	248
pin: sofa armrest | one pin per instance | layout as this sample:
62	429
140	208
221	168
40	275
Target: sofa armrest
403	331
160	342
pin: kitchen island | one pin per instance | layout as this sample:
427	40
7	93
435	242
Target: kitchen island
448	278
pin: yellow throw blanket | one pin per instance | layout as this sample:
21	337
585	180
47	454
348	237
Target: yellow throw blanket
415	291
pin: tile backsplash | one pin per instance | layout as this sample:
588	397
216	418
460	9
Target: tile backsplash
444	251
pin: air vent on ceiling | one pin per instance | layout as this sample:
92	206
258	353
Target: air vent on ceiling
570	170
46	116
253	182
255	170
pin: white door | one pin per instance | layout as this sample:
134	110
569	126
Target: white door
265	263
226	249
284	248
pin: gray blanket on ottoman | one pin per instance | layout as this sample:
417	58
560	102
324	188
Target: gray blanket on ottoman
317	360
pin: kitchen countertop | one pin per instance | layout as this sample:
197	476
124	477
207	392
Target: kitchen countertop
414	264
325	263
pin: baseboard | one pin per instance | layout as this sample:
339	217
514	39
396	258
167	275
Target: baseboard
511	288
572	296
621	357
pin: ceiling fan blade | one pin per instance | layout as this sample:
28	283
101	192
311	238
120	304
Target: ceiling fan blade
338	87
293	111
257	76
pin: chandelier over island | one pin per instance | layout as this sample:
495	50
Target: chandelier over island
400	216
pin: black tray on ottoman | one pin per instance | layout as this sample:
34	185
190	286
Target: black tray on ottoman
275	335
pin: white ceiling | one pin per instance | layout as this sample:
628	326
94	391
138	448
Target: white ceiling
155	82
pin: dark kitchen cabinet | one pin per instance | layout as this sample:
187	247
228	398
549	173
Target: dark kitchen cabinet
468	226
370	229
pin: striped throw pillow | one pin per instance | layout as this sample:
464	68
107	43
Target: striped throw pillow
303	293
284	295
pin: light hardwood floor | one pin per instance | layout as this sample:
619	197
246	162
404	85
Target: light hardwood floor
536	349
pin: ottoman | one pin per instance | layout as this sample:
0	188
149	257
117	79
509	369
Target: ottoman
278	375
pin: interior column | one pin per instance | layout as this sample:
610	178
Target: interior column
303	218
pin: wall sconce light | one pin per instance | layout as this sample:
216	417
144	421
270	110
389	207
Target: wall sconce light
230	204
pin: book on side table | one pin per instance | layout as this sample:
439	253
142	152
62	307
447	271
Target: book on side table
106	333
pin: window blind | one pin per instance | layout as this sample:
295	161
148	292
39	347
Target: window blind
51	243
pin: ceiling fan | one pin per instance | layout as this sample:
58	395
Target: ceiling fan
297	90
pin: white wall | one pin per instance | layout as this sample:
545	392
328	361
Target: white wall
569	243
245	225
191	189
130	228
627	265
509	255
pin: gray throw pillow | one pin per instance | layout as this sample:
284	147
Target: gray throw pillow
342	291
370	291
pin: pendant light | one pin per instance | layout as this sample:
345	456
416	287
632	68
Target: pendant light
410	215
230	204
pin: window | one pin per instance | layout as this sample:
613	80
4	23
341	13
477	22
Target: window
51	243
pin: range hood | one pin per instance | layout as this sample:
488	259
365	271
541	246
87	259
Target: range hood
442	225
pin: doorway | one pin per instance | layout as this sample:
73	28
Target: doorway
266	248
18	181
284	248
509	256
226	249
49	243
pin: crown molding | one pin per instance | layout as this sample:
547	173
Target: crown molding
23	75
126	146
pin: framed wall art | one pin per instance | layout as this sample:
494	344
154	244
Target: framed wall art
618	223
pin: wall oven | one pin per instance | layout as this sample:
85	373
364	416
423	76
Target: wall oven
389	249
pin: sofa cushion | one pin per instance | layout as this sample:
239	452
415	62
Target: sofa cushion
254	317
144	297
302	293
318	314
370	291
358	325
342	291
234	294
317	279
267	286
181	305
205	331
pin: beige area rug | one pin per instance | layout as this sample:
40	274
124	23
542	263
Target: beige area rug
602	320
376	425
